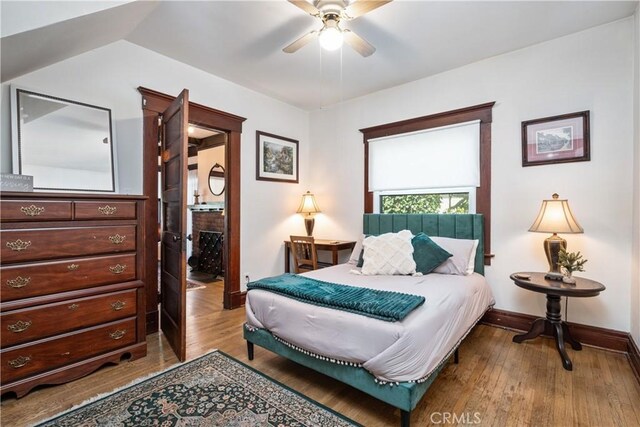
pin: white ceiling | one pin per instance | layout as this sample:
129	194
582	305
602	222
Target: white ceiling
242	41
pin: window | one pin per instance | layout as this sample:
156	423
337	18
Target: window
453	201
438	163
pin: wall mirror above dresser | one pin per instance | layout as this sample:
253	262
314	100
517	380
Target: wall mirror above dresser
65	145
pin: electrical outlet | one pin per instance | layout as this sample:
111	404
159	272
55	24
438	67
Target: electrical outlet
246	278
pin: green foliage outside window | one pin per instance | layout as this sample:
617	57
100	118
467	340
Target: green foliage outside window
451	203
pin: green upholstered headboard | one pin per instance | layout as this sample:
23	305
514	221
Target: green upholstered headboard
460	226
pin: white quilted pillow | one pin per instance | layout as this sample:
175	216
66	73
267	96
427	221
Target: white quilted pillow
388	254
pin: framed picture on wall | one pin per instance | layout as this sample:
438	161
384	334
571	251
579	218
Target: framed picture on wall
557	139
276	158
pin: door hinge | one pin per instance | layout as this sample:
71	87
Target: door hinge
159	120
159	297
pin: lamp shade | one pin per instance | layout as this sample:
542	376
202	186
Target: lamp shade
308	204
555	217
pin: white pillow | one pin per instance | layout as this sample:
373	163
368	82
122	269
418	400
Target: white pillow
355	254
462	262
389	254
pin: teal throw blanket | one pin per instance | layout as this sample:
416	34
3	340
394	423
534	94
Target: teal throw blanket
384	305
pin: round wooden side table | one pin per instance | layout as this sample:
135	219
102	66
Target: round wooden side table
554	290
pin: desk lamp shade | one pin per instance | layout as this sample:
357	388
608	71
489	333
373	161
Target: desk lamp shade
309	207
555	217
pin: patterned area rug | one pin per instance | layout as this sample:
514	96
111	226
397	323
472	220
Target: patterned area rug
213	390
192	284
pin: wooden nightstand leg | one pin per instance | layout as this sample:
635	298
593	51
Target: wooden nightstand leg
568	338
536	329
566	362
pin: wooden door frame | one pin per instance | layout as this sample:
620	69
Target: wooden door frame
153	104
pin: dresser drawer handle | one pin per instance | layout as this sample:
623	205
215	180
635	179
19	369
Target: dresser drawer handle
19	245
118	305
73	307
19	326
117	239
18	282
73	267
118	334
32	210
107	210
118	269
19	362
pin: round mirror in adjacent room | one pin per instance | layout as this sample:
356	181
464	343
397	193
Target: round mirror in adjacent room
216	180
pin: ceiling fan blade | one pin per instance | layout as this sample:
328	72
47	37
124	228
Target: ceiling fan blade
359	44
360	7
300	42
306	6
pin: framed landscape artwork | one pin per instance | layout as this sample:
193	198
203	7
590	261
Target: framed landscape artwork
558	139
276	158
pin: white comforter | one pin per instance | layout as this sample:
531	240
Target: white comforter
392	351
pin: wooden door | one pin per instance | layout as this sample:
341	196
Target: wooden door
173	280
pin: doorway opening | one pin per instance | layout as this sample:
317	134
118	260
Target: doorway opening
153	105
205	207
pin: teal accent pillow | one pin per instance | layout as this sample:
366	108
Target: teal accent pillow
427	254
361	257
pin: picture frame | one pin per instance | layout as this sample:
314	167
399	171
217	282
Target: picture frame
557	139
276	158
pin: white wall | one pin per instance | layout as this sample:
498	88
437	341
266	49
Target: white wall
109	77
591	70
635	284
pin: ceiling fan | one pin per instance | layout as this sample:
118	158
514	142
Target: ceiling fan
331	12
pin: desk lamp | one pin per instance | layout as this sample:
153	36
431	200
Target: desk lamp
309	207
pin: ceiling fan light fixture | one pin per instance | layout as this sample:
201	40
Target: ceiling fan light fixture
331	38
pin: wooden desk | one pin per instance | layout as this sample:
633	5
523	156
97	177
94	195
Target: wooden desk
334	246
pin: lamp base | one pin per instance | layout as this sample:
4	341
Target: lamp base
552	246
309	222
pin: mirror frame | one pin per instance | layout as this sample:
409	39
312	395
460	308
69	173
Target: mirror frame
17	146
217	174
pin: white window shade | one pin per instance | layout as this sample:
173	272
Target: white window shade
441	157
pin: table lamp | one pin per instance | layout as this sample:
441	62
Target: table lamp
308	206
555	217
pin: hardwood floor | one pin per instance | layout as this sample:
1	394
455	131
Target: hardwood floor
497	383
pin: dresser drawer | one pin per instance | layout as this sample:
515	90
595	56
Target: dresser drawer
52	319
30	210
104	210
22	361
44	278
28	245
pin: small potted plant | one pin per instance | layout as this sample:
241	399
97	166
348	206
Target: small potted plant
570	262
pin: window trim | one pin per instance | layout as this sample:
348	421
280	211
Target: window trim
482	112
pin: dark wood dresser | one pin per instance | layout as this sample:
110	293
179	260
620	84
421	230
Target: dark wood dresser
72	294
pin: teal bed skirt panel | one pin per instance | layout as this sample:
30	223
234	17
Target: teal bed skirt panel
404	395
458	226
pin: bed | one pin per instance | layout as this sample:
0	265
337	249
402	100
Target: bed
395	362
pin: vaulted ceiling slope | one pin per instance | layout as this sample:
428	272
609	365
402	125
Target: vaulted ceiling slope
242	41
